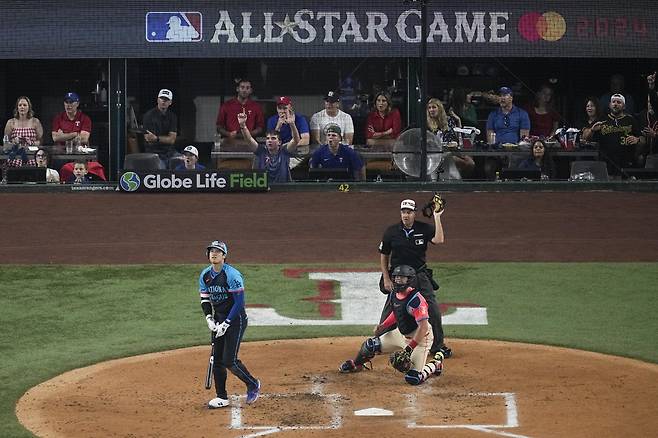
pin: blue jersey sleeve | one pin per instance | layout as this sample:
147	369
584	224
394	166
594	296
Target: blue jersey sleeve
235	287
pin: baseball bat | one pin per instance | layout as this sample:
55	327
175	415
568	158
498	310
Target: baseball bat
210	366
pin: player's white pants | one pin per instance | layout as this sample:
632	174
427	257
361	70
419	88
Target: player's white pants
394	341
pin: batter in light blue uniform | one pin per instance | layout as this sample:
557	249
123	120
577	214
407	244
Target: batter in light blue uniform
222	300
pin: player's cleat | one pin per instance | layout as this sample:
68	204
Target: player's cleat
218	403
439	367
444	353
252	394
350	367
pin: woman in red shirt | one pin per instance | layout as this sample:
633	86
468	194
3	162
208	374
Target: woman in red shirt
384	122
544	120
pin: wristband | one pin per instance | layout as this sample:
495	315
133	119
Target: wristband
412	344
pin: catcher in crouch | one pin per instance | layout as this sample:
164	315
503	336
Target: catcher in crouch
410	341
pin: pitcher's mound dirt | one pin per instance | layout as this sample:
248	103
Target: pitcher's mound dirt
488	388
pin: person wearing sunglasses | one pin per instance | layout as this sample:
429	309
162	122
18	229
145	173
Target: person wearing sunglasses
42	159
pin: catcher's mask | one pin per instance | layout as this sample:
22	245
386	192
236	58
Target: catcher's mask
217	244
403	271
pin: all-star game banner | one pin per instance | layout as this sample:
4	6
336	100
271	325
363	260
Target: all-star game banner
338	28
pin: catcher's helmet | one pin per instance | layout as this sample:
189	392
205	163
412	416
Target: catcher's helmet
403	271
217	244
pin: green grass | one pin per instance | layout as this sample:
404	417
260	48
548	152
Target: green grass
58	318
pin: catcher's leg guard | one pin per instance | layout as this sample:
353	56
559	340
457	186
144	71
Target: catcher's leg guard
431	368
369	348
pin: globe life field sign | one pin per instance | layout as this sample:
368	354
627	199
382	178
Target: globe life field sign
193	181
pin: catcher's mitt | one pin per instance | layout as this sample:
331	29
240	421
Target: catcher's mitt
435	206
401	360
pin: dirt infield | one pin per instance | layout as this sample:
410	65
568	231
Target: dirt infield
515	390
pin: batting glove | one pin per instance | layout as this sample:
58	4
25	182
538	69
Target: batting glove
221	329
212	326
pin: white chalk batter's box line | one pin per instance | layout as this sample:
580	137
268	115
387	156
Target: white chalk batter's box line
337	422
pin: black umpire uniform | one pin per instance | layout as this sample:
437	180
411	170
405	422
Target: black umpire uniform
408	246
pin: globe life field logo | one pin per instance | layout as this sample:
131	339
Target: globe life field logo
130	182
549	26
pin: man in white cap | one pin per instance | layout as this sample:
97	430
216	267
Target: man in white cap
619	137
331	114
405	243
161	125
191	161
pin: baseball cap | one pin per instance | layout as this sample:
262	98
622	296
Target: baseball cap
618	96
284	100
332	127
408	204
332	96
166	93
218	244
505	90
192	150
71	96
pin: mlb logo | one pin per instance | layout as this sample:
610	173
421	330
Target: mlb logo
167	27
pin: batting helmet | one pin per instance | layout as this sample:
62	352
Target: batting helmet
217	244
403	271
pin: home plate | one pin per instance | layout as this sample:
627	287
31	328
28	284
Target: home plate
373	412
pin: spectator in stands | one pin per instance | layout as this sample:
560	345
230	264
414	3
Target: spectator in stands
619	137
539	159
593	114
653	93
331	114
18	156
227	118
509	123
617	83
24	128
71	124
161	125
506	124
191	160
459	104
278	122
544	120
455	165
274	156
335	154
384	123
80	175
648	119
42	158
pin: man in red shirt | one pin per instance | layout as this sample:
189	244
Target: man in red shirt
227	119
71	124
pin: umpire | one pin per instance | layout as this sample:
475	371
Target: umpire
405	243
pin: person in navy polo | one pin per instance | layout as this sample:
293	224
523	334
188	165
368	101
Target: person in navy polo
509	122
335	155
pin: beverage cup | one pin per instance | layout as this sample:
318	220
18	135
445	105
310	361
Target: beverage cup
69	146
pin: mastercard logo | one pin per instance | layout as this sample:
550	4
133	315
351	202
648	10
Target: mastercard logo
549	26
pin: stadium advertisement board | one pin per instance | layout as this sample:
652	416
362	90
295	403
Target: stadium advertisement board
193	181
202	28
